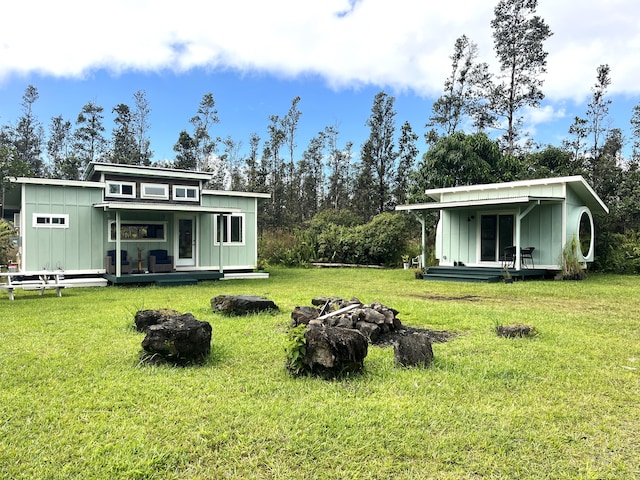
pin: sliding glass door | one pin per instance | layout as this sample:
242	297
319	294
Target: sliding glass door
496	234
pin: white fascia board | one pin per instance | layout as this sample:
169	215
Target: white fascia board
230	193
160	207
148	171
466	203
437	192
57	182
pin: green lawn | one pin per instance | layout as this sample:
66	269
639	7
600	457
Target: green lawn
76	403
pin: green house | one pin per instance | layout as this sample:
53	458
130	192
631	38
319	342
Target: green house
132	211
526	223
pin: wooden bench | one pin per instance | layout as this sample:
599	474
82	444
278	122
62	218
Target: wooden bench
41	281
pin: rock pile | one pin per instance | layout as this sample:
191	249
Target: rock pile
371	320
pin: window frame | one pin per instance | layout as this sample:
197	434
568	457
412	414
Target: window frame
111	227
50	223
186	198
120	184
228	227
152	196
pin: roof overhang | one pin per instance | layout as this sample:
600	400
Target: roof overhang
158	207
479	203
95	168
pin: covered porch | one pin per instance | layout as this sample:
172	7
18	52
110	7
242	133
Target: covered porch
193	237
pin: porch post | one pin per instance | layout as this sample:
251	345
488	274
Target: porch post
517	252
423	225
220	229
118	251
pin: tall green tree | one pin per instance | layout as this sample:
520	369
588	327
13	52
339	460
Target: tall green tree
29	134
635	134
311	177
378	155
140	125
89	141
186	149
203	122
518	38
338	164
463	88
598	110
65	164
124	148
462	159
407	155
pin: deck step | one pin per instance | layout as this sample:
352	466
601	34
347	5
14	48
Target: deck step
176	282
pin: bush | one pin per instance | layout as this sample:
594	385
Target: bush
288	248
7	250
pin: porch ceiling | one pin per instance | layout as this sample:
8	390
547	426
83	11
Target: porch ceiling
164	207
479	203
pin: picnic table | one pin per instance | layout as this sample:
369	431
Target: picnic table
34	280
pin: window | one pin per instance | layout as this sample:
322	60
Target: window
585	234
155	190
185	193
121	189
496	234
232	227
50	220
139	231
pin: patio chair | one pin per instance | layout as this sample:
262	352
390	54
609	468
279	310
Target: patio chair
110	262
160	261
509	257
526	255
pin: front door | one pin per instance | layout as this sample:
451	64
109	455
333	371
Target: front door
496	234
186	241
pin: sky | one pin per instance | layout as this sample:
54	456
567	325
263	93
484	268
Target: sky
256	56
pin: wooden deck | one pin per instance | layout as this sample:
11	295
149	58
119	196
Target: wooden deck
164	279
483	274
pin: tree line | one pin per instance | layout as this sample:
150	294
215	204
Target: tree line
474	134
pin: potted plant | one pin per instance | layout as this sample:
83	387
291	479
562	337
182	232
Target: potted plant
405	262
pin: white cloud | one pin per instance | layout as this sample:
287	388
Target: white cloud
404	44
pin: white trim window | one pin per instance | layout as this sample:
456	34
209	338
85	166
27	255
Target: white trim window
185	193
50	220
139	231
154	190
233	229
121	189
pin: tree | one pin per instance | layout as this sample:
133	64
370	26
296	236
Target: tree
256	180
407	154
140	126
90	144
28	134
635	134
10	166
124	147
338	171
598	109
518	38
65	164
462	159
186	149
577	144
378	155
311	177
461	97
206	117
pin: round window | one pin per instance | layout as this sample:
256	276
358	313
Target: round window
585	233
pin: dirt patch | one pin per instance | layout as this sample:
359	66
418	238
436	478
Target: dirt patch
466	298
435	336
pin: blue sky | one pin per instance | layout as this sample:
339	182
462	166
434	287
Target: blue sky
256	56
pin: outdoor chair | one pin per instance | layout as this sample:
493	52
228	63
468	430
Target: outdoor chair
526	255
160	261
509	257
110	262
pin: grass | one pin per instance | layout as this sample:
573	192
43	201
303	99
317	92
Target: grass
76	403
